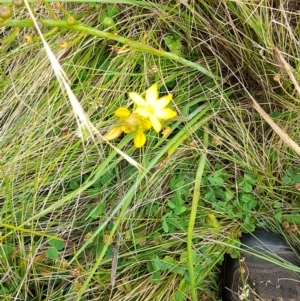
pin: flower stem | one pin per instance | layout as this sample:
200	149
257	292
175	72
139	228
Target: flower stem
135	45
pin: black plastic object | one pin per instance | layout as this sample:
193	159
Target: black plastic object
251	277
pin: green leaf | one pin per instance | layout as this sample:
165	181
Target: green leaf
221	204
247	187
218	181
296	178
247	198
220	193
171	204
278	215
74	184
210	196
107	178
228	195
286	180
178	270
275	114
249	226
167	263
179	184
156	263
179	210
234	253
247	206
277	204
156	277
150	267
110	251
52	253
248	178
176	182
289	173
97	211
239	214
183	257
174	44
177	199
187	276
179	296
165	226
219	167
111	11
198	268
57	244
252	203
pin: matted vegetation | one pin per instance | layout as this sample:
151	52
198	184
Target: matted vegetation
84	219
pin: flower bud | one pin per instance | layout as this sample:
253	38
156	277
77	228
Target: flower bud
5	11
113	133
63	44
27	39
108	22
18	3
57	5
71	21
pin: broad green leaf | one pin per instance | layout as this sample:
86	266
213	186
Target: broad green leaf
52	253
296	178
97	211
156	263
249	179
247	198
165	226
179	210
210	196
247	187
171	204
286	180
179	296
218	181
156	277
57	244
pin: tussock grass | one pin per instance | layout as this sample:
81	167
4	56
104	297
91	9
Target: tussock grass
85	193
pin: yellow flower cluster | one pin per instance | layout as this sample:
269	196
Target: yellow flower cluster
147	113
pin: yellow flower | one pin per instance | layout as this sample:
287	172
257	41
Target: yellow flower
130	123
153	107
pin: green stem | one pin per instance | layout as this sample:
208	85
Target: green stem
195	200
138	46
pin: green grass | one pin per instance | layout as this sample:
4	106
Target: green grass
161	218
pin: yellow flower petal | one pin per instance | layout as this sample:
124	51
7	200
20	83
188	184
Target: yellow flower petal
137	99
165	113
152	95
163	101
143	112
146	124
126	129
122	112
155	123
113	133
139	139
